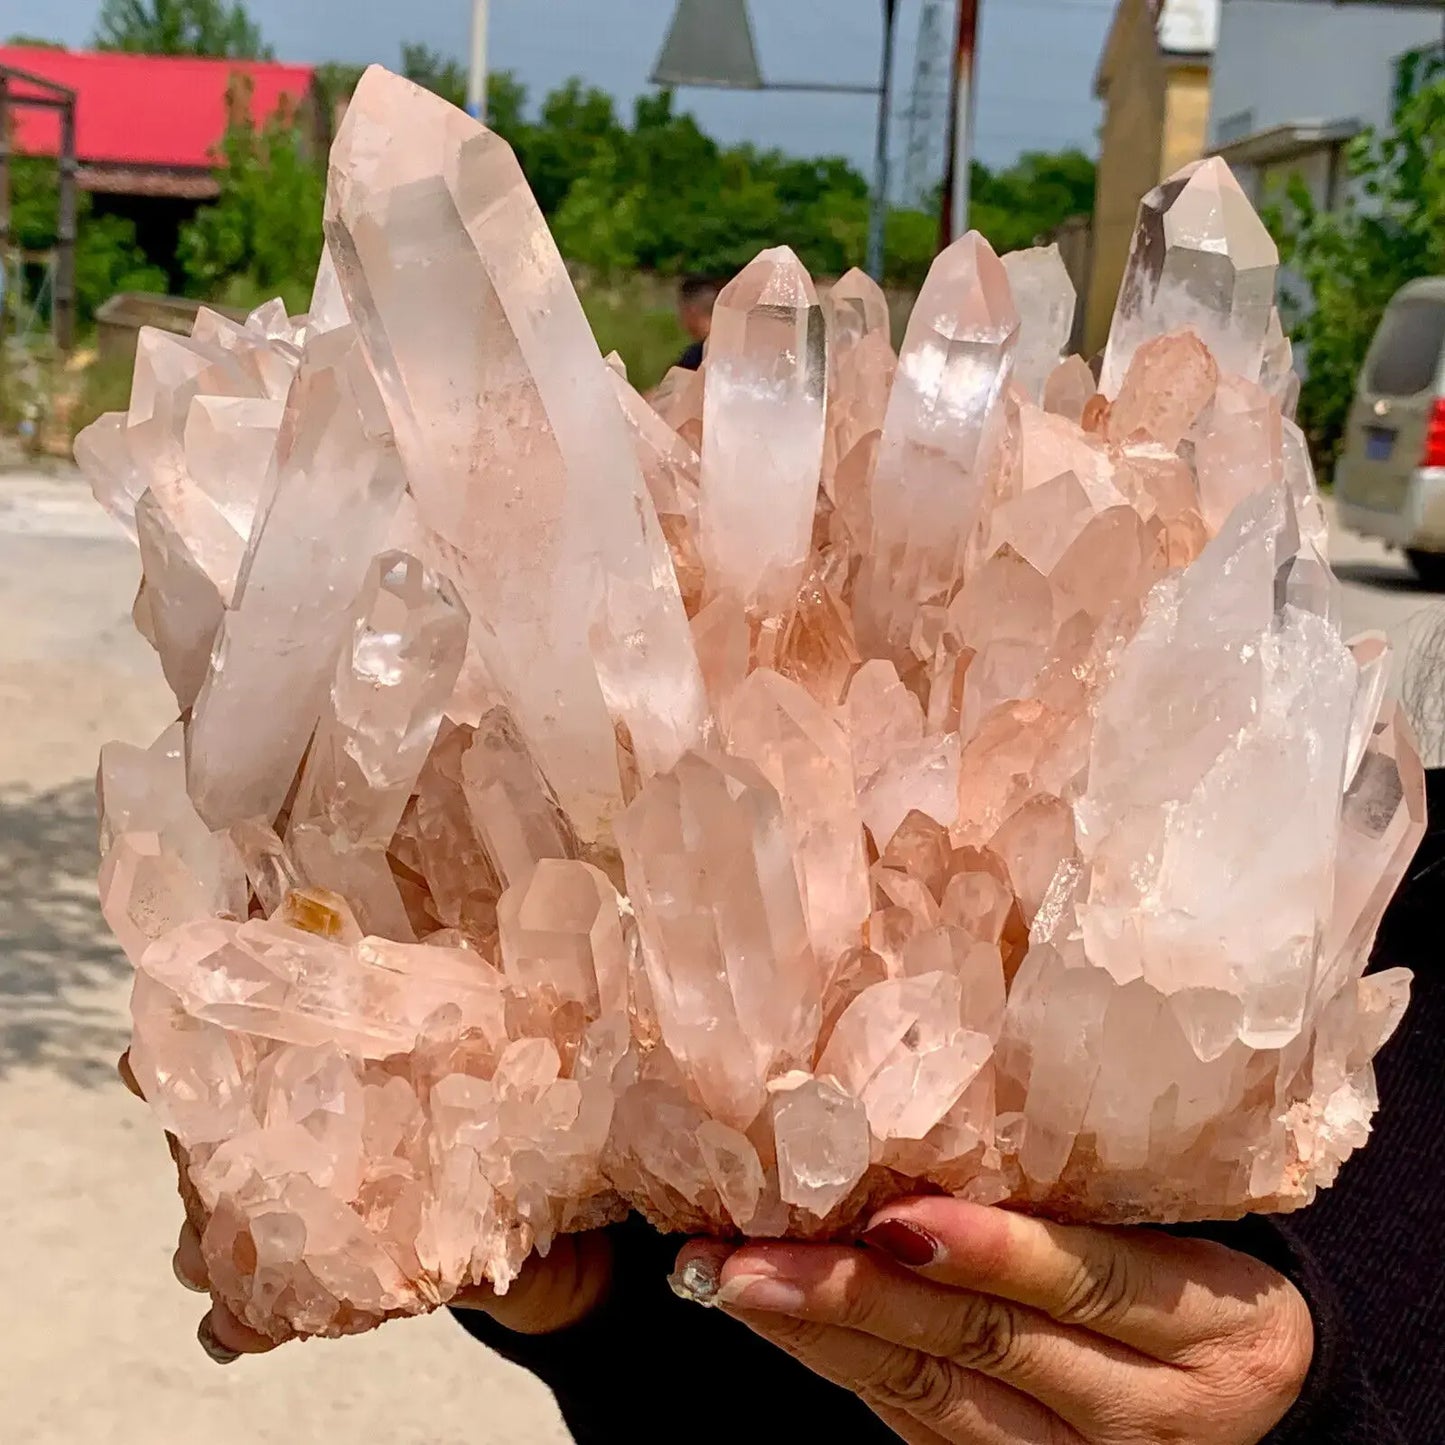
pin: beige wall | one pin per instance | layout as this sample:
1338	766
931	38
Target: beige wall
1135	103
1186	116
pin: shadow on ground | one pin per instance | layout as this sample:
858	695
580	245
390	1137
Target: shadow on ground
60	972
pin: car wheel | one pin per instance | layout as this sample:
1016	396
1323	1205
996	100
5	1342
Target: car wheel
1429	568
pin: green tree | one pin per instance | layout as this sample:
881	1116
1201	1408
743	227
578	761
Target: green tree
1351	261
261	237
435	72
1015	207
107	258
180	27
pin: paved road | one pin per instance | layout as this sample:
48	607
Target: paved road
94	1340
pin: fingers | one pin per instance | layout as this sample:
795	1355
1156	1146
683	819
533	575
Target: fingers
188	1263
225	1339
1078	1377
1155	1293
924	1399
550	1293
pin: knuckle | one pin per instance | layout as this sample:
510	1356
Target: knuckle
987	1336
1258	1371
910	1380
1101	1286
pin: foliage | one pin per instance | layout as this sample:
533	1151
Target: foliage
180	27
104	386
435	72
635	316
1351	261
1015	207
262	235
107	257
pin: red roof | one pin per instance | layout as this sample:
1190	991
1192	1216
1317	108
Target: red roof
145	110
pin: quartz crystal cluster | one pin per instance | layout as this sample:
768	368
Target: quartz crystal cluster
843	773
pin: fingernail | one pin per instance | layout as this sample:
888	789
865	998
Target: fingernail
697	1281
762	1292
905	1242
195	1286
221	1354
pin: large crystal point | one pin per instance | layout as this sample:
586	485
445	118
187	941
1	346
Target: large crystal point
763	414
1201	258
185	606
1045	297
735	978
337	485
1163	904
537	495
943	428
778	727
160	865
392	680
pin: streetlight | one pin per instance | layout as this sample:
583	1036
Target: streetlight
477	74
710	43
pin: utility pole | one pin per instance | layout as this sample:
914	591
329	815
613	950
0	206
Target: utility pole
954	218
477	74
878	212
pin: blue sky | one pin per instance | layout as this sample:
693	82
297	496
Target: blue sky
1036	58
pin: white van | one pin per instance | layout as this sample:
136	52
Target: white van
1390	478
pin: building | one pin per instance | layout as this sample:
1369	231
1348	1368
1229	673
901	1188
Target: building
1154	80
1296	80
148	126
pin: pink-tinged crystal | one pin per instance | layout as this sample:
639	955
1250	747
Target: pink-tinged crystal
184	607
1202	259
1238	448
538	495
393	677
822	1141
1170	381
775	725
562	937
1068	389
1007	818
1045	297
764	413
337	485
736	982
516	814
902	1050
161	866
735	1170
940	437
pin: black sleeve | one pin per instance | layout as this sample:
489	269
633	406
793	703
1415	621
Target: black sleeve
1338	1405
646	1368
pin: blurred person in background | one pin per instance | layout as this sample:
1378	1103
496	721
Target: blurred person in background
696	296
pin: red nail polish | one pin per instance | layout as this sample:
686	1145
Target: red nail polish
905	1242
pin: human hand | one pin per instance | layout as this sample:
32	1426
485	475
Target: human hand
549	1294
966	1325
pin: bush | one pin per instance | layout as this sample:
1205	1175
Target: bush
1390	230
262	235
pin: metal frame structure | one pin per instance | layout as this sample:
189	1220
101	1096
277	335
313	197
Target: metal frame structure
711	45
60	98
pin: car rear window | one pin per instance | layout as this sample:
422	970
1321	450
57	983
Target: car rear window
1407	350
